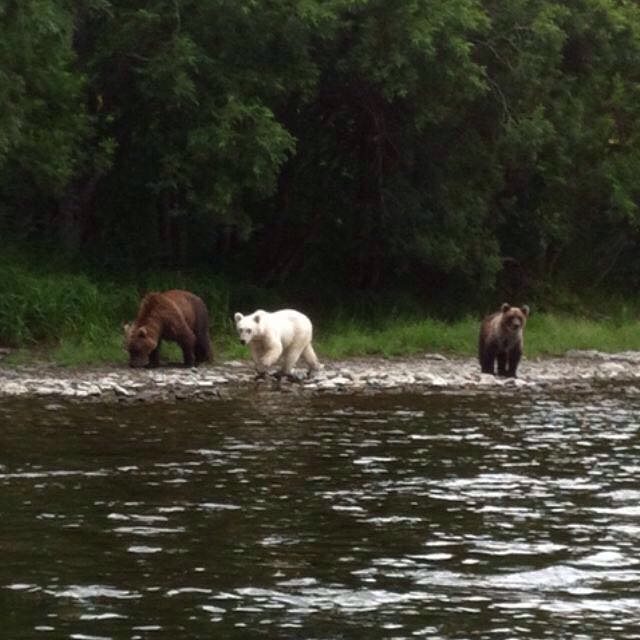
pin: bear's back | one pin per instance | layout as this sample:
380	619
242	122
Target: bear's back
291	325
174	305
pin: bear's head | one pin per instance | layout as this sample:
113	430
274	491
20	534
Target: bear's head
139	342
513	319
248	327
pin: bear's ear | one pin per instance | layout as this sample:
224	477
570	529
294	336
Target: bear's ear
237	317
142	332
505	307
526	310
256	317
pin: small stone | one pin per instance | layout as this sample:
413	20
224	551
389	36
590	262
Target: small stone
584	353
436	381
613	368
53	406
121	391
45	390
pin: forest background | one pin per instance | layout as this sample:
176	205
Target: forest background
376	163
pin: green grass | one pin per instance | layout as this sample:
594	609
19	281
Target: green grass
546	334
398	338
70	319
551	334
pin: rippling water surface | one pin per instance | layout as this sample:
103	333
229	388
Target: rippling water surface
322	518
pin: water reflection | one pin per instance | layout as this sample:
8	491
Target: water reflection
344	517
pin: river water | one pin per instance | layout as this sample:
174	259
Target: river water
279	516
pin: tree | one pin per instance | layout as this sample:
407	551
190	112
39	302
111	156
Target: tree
418	145
567	86
389	177
42	120
187	91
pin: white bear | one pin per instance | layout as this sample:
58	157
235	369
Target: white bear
282	334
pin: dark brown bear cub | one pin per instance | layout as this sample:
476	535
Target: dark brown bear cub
179	316
501	339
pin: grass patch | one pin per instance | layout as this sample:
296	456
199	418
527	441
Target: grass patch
546	334
551	334
70	319
398	338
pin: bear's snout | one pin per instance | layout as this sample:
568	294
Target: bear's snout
243	341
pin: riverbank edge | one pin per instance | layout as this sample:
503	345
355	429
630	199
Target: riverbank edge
424	373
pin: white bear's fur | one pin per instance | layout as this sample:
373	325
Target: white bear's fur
282	335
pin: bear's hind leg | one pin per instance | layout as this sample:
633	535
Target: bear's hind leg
309	356
291	377
203	350
187	344
291	356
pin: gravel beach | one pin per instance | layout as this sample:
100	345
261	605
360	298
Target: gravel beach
428	373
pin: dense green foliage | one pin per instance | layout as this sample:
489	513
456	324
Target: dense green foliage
440	150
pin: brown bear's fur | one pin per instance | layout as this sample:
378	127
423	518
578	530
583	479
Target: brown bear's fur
179	316
501	339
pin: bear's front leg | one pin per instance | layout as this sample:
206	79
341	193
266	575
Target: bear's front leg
256	356
514	360
291	377
487	359
502	363
267	357
154	357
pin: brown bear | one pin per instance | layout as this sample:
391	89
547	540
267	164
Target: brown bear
179	316
501	339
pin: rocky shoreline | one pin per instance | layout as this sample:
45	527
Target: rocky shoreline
429	373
